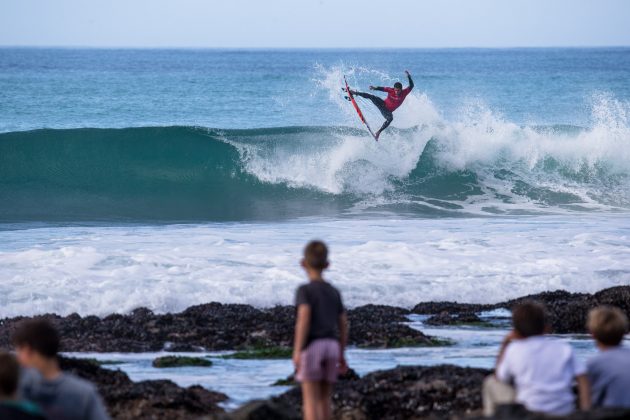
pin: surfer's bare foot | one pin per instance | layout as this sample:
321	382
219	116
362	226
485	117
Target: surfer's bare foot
378	133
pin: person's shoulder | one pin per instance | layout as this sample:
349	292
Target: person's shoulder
304	288
609	357
596	361
76	383
332	287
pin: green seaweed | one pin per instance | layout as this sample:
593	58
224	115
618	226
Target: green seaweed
285	382
104	362
276	352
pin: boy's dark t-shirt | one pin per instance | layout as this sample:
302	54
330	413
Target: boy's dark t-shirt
326	306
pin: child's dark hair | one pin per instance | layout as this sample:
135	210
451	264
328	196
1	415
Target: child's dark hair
608	325
38	334
529	319
9	375
398	85
316	255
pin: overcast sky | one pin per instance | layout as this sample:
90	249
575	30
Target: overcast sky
314	23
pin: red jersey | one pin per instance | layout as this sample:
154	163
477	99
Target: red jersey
392	102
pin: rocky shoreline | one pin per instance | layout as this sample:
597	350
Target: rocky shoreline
403	392
215	326
406	392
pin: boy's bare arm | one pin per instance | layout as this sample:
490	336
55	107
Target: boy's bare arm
301	329
584	392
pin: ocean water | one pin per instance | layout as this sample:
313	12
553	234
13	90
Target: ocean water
166	178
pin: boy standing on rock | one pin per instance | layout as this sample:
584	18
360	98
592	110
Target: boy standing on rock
321	334
535	370
609	371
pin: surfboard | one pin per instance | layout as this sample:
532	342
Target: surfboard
350	97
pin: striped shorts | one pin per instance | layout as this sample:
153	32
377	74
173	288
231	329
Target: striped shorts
319	361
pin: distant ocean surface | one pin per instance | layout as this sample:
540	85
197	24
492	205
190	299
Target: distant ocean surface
166	178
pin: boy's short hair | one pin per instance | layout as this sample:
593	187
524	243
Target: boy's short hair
38	334
607	324
398	85
529	319
9	374
316	255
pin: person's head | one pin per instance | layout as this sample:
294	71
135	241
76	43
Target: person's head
529	319
398	87
608	325
9	376
36	341
315	256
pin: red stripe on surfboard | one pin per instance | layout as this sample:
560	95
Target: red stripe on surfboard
356	107
354	103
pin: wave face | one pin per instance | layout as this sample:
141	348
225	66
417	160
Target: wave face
479	165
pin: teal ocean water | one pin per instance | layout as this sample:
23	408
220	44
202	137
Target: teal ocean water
212	135
166	178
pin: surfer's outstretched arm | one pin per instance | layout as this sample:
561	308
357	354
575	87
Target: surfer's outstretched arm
410	80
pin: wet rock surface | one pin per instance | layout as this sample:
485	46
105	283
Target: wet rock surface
161	399
567	311
432	308
518	412
406	392
215	326
444	318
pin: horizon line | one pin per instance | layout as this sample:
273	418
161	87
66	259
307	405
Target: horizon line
131	47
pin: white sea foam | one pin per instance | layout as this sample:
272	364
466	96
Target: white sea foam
98	270
592	164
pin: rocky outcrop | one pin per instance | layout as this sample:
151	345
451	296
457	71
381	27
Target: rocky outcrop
567	311
466	318
431	308
216	326
406	392
154	400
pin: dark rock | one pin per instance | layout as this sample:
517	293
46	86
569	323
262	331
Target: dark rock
264	410
158	400
377	326
518	412
431	308
180	361
350	375
567	311
445	318
215	326
404	392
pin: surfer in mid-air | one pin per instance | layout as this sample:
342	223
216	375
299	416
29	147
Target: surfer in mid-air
395	98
